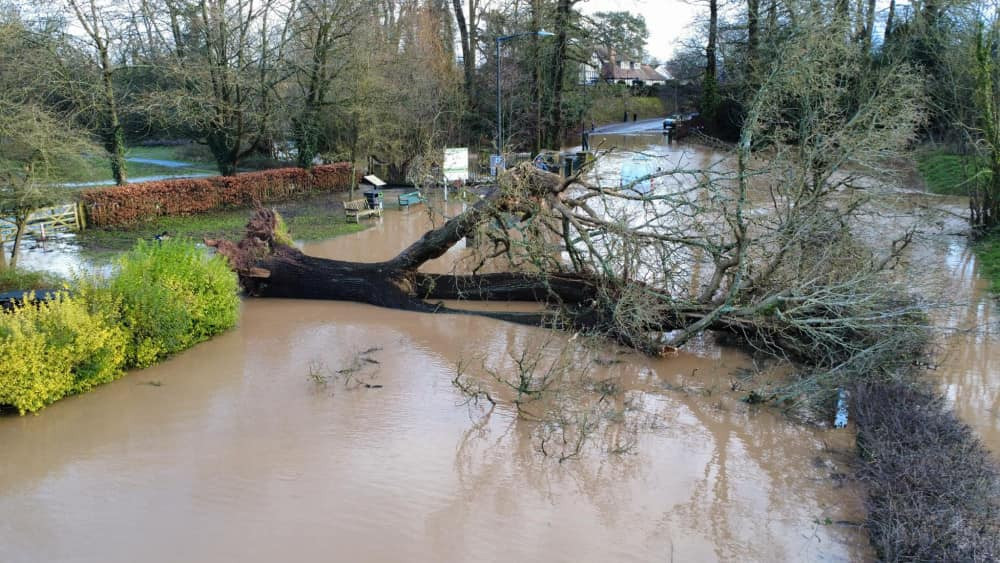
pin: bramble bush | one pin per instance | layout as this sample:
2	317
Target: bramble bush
134	203
163	298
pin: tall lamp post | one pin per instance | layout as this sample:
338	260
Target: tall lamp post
499	40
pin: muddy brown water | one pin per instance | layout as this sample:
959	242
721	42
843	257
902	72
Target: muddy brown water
231	451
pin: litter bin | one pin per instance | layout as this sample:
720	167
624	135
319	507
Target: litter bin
374	199
569	165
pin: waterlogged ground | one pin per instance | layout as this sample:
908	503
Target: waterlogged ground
332	431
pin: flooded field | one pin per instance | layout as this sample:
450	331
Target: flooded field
235	450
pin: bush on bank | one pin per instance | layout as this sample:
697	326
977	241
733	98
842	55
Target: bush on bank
163	298
55	348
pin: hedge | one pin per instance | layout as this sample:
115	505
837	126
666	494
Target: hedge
135	203
162	298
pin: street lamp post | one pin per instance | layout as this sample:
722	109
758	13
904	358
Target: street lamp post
499	40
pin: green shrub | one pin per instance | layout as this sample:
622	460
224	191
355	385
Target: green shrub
162	299
56	348
172	296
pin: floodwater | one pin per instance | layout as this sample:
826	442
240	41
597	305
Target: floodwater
967	366
333	431
232	450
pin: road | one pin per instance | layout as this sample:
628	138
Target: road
632	127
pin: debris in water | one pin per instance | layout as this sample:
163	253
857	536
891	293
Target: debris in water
841	420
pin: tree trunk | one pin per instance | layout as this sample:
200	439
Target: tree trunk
753	34
889	22
114	133
869	29
468	52
15	251
555	130
710	87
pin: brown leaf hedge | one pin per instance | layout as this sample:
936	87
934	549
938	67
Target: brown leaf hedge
135	203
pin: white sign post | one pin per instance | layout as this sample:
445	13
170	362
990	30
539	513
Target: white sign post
456	164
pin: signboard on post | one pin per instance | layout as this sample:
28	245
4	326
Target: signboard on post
456	164
497	164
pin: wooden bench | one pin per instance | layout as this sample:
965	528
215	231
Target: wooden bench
410	198
358	208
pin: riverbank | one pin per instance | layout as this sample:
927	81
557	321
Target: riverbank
947	173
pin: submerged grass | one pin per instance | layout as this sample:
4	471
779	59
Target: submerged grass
20	279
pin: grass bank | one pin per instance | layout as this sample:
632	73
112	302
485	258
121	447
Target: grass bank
951	174
988	252
314	218
945	173
611	108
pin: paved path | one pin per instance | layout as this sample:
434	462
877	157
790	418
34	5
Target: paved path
158	162
631	127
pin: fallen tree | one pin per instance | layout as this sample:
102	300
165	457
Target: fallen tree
760	243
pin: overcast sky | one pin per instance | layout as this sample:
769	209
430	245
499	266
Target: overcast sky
668	21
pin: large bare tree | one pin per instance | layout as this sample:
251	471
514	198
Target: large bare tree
758	243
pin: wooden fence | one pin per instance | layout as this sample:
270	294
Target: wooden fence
61	218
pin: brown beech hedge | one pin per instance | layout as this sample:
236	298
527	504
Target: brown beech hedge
134	203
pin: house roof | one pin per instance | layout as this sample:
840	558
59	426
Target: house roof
611	71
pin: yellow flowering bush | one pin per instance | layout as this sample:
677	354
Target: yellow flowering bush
163	298
55	348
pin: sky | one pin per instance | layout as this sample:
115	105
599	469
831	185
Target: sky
668	21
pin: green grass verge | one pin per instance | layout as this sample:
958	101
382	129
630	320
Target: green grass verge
311	219
193	153
946	173
610	109
988	252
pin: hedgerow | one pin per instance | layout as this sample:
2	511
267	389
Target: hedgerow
134	203
163	298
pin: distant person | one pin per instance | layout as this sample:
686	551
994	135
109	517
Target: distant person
625	118
635	116
586	141
592	126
